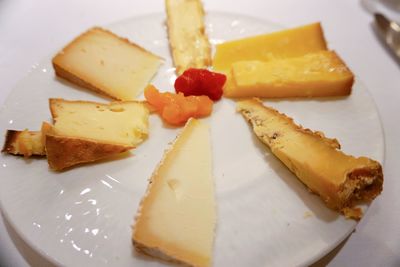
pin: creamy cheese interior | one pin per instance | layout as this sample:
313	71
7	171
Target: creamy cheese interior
31	141
321	73
25	143
124	123
178	214
314	67
189	43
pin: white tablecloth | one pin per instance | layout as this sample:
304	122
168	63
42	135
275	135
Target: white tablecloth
31	30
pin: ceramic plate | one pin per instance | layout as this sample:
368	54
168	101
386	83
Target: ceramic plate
266	217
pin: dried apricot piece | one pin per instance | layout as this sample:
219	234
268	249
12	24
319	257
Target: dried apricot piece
176	109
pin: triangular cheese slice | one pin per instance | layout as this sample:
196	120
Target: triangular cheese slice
339	179
103	62
176	218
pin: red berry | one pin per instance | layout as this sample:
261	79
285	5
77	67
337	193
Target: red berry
200	82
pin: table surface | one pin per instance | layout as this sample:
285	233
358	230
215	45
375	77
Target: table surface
31	30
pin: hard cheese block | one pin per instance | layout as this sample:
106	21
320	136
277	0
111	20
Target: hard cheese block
86	131
176	218
318	74
340	180
101	61
186	31
288	43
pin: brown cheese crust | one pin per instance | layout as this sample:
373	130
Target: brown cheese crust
25	143
339	179
63	152
155	252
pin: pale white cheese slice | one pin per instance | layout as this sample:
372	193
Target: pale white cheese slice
177	216
187	35
101	61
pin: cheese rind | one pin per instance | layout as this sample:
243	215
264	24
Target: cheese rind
176	217
318	74
64	152
186	31
26	143
282	44
103	62
339	179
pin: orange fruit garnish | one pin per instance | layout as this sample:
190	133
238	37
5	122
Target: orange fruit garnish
176	109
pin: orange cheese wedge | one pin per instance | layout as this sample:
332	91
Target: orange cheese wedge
317	74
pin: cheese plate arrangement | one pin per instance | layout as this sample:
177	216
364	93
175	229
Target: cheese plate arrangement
166	189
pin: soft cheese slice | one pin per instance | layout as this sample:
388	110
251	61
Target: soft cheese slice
101	61
177	216
339	179
124	123
88	131
287	43
188	40
26	143
318	74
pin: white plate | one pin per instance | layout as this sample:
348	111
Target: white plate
266	217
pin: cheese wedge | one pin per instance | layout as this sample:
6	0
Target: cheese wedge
287	43
176	218
318	74
187	37
26	143
107	64
88	131
339	179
